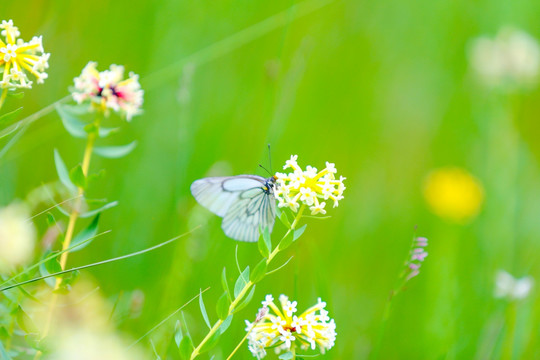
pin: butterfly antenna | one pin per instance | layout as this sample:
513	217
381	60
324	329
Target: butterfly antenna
270	159
265	169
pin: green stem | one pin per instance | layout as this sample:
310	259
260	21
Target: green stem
247	287
508	345
3	97
71	224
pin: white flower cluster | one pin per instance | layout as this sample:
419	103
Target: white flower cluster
107	90
282	329
308	187
510	59
506	286
17	237
18	57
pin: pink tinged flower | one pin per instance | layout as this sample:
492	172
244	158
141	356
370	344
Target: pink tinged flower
419	254
421	241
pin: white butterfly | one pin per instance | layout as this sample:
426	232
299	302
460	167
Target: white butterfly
245	202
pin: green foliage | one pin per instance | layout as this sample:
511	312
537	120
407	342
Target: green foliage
115	152
265	242
62	172
9	117
241	282
203	310
259	271
222	306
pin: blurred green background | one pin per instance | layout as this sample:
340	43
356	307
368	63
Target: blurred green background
383	89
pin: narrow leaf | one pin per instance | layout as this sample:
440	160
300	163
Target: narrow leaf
286	242
99	210
178	335
71	122
285	219
203	310
25	322
114	152
222	306
259	271
299	232
77	177
225	325
225	284
62	171
241	282
263	249
104	132
246	301
89	232
214	339
7	118
286	356
185	348
3	353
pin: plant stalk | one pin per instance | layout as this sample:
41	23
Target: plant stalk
246	288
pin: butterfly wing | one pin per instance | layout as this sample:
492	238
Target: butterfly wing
255	208
218	193
242	202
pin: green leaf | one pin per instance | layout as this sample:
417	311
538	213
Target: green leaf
7	118
225	284
285	219
185	348
15	95
286	242
114	152
62	171
265	243
178	335
104	132
89	232
99	210
222	306
241	282
50	267
246	301
3	353
298	232
286	356
226	323
71	122
203	310
259	271
214	339
25	322
77	177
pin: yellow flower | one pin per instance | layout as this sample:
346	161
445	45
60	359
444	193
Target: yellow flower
17	56
453	194
282	330
308	187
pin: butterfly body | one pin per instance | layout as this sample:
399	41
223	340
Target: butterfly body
245	202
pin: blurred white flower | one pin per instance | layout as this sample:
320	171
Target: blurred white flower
511	59
85	344
17	237
18	57
108	90
506	286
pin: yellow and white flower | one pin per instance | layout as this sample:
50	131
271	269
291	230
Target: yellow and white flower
18	57
108	90
282	330
308	187
17	237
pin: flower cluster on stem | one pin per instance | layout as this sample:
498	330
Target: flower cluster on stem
108	90
17	58
283	330
308	187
